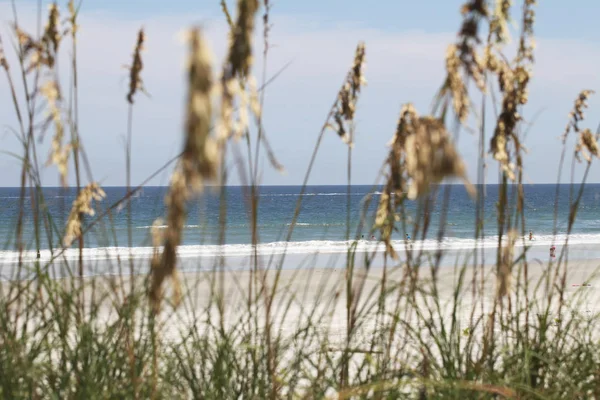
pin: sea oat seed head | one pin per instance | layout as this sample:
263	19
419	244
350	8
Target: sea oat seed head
504	274
431	157
198	163
3	62
82	205
135	80
455	84
500	20
73	18
59	154
345	107
384	223
589	143
240	53
577	115
200	152
52	35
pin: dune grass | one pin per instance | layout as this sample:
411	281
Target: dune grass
486	329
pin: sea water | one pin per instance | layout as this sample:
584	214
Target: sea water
321	226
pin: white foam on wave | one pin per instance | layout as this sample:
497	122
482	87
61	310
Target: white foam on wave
309	194
306	247
164	226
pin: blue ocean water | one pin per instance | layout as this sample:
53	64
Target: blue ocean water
321	225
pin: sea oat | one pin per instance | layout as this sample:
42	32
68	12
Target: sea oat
384	221
527	42
163	267
3	61
462	60
513	82
32	50
589	143
396	159
200	156
236	69
345	107
421	154
239	59
199	163
135	80
73	19
500	20
42	52
504	276
59	155
577	115
431	156
455	84
52	35
82	205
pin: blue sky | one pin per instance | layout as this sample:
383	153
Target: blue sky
406	42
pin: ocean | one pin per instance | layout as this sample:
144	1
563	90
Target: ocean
321	225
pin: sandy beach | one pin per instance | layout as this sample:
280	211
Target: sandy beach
303	295
319	296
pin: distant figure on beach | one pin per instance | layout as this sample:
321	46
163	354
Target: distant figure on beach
372	237
530	235
552	251
38	255
407	237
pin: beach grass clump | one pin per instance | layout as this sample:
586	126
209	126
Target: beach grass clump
506	327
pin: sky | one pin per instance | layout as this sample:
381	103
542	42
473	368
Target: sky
406	43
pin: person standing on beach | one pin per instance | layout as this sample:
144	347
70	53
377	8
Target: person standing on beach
530	235
552	251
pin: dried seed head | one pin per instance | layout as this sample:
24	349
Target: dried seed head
343	113
198	164
163	267
577	115
589	143
397	178
135	80
42	52
500	20
52	35
73	19
462	60
513	83
59	154
422	153
504	275
82	205
236	69
431	157
32	50
3	61
526	42
384	221
240	51
455	85
156	233
200	154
